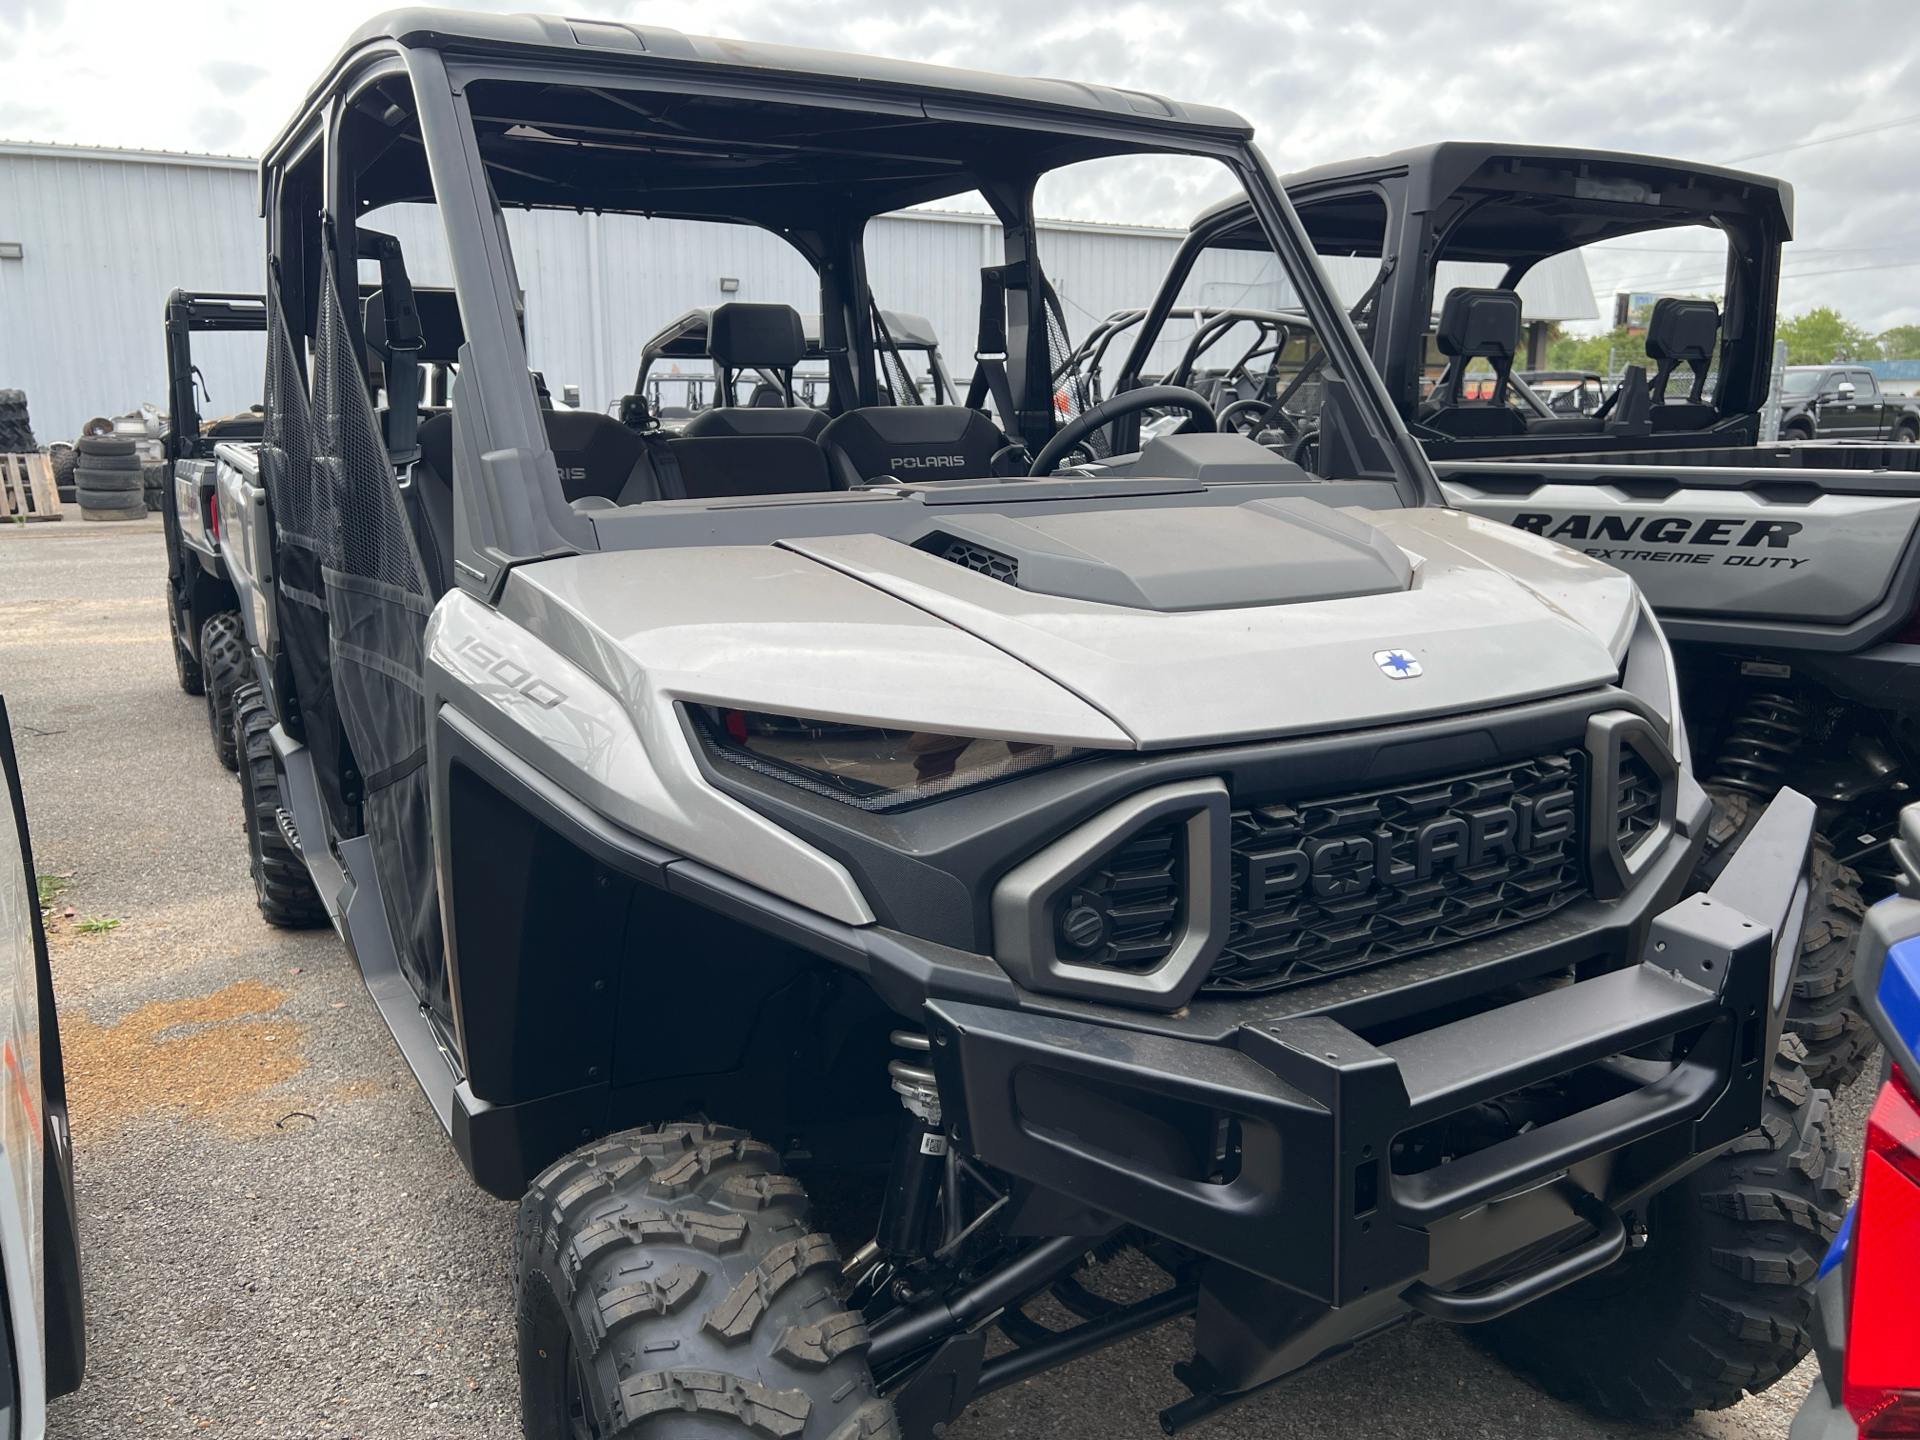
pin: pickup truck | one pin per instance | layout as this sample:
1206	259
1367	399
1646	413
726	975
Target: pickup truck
1843	402
1787	574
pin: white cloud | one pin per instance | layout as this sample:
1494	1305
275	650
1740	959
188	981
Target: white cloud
1320	82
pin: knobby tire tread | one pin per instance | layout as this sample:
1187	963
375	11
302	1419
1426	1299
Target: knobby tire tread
282	885
1718	1302
674	1265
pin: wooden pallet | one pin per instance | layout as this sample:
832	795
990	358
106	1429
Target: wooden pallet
27	491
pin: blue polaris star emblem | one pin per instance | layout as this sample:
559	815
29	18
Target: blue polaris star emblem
1397	664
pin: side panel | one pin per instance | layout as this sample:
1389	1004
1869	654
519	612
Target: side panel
1820	558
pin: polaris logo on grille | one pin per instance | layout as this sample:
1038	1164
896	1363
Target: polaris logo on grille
1397	664
574	472
927	462
1344	866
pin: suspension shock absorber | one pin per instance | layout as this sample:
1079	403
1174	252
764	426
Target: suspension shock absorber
1753	756
919	1160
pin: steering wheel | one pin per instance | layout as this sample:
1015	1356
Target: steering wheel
1270	416
1147	397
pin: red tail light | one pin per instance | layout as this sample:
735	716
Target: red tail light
1882	1378
213	517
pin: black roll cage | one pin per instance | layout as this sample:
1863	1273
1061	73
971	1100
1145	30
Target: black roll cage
186	313
1514	205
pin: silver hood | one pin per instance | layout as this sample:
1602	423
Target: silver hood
868	628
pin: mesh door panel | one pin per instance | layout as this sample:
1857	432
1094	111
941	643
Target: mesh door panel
301	529
377	609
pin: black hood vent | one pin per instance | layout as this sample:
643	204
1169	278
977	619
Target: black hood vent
975	557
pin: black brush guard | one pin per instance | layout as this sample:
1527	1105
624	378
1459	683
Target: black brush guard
1271	1154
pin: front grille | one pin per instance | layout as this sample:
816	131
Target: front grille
1125	915
1325	886
1636	800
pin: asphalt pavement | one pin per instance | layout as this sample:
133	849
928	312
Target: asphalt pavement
278	1240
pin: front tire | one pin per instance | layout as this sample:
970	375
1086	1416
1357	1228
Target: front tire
667	1285
1823	1011
1717	1302
282	885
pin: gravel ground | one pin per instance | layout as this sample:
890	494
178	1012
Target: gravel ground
278	1239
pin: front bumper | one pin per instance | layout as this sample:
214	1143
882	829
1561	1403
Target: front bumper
1271	1152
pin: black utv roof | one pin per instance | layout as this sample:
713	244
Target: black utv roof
1525	200
753	132
1528	199
685	337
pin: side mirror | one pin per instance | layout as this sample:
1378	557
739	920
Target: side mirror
1846	391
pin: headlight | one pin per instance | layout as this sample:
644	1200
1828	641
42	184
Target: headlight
865	765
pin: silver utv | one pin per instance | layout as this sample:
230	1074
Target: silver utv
1062	842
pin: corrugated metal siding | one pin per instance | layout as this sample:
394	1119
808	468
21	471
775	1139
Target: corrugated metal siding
105	240
108	234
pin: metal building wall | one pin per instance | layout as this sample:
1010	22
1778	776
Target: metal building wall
106	234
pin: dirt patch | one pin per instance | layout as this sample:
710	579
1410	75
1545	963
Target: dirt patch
206	1058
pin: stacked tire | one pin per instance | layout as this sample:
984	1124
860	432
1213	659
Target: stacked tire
16	433
153	484
61	457
107	478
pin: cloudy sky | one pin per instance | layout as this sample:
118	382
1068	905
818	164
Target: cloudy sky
1749	83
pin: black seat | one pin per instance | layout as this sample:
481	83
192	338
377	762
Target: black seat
768	338
597	455
1476	325
237	427
712	466
1682	332
911	442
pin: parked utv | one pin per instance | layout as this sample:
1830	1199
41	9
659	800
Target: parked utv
209	641
908	355
1863	1320
1239	857
1782	571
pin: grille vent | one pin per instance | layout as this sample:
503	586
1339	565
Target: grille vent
1126	914
1636	800
1325	886
977	558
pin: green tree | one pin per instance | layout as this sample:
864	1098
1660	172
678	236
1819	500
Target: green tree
1591	352
1902	342
1823	334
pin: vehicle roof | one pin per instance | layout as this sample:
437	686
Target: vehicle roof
1532	375
600	44
1562	197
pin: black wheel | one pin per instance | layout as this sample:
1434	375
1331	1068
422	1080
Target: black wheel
666	1284
1796	432
1906	432
281	885
223	666
1717	1300
60	458
1824	1011
153	481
